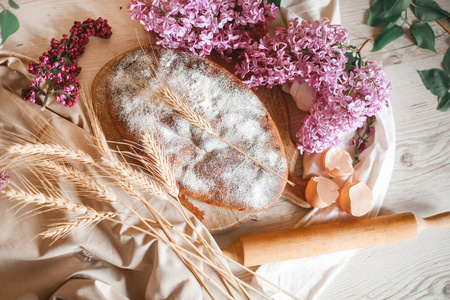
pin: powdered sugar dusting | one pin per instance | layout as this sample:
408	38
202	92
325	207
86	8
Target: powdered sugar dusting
205	167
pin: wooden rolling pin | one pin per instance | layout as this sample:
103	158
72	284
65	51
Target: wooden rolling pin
288	244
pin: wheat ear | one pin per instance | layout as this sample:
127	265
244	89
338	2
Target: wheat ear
55	150
110	161
48	201
180	106
81	180
63	230
133	177
158	165
89	215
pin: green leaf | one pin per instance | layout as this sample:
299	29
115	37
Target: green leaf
378	17
447	60
444	103
13	4
352	59
395	7
436	81
8	23
424	35
390	33
428	10
276	2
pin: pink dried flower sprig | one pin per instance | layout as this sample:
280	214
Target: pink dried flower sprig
201	26
4	180
59	65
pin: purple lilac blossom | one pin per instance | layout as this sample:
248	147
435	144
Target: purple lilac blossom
331	116
4	180
203	25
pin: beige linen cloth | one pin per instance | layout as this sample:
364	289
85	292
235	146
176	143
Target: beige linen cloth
108	261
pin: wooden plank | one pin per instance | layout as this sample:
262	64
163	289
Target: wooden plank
414	269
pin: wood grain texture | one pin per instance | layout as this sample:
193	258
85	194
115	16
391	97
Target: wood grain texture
417	269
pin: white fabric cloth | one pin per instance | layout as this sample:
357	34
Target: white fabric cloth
307	277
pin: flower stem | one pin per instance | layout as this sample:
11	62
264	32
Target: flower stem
69	40
358	52
349	91
364	44
364	138
405	19
49	90
158	8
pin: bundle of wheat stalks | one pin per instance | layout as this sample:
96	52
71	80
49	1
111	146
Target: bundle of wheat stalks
118	185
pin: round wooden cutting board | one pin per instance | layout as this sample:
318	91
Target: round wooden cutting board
218	219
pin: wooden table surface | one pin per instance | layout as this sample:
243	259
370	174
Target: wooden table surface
420	182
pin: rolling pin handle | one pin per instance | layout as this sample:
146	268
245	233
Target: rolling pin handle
439	220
